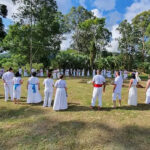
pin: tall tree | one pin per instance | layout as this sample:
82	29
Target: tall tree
141	22
127	42
42	22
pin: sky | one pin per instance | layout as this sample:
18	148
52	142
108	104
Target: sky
114	11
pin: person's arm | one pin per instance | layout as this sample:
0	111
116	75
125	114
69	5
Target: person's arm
104	84
147	85
39	85
131	81
21	81
114	87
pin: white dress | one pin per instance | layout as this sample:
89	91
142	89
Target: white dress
33	91
148	95
132	98
17	87
60	102
25	73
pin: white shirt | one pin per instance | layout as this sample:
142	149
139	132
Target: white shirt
119	82
16	80
98	79
8	77
60	84
134	83
48	84
33	80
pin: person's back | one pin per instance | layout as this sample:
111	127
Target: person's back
8	77
33	80
48	84
119	83
98	79
60	83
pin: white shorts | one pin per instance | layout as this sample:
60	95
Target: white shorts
114	96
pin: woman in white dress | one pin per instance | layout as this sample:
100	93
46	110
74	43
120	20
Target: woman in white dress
60	102
33	88
132	98
17	81
148	92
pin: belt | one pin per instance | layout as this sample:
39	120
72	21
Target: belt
98	85
33	87
16	85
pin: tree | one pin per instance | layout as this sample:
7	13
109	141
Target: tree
91	38
3	13
141	22
39	31
127	42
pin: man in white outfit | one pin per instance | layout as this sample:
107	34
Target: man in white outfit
48	92
98	83
117	89
8	83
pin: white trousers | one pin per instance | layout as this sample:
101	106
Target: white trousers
97	92
8	91
47	98
114	96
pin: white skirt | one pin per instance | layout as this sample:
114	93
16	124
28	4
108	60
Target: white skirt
33	97
17	92
148	96
60	102
132	98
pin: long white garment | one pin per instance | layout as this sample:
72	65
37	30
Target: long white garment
137	77
17	88
97	91
33	91
25	73
117	92
60	102
148	94
8	85
41	73
132	98
48	92
88	73
83	73
93	72
20	71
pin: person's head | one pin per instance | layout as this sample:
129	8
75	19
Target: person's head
10	69
117	73
61	76
98	71
133	75
34	74
49	75
17	74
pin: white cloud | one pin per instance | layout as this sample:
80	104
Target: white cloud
105	5
10	7
82	3
137	7
113	18
97	13
64	5
67	42
114	42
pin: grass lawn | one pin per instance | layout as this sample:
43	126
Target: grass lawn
32	127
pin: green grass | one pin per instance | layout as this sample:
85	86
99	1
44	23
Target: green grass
32	127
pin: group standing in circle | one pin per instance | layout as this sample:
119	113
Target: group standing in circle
12	87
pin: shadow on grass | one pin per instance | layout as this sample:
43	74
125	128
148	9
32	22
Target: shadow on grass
73	107
72	135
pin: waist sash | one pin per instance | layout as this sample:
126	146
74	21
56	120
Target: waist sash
16	85
98	85
33	87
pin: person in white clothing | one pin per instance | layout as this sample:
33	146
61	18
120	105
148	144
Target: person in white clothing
117	89
60	102
48	92
17	81
98	83
20	71
33	88
147	101
25	72
41	72
8	83
132	98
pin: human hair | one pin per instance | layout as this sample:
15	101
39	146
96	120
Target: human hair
17	74
34	74
98	71
61	76
49	75
10	69
118	72
133	75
